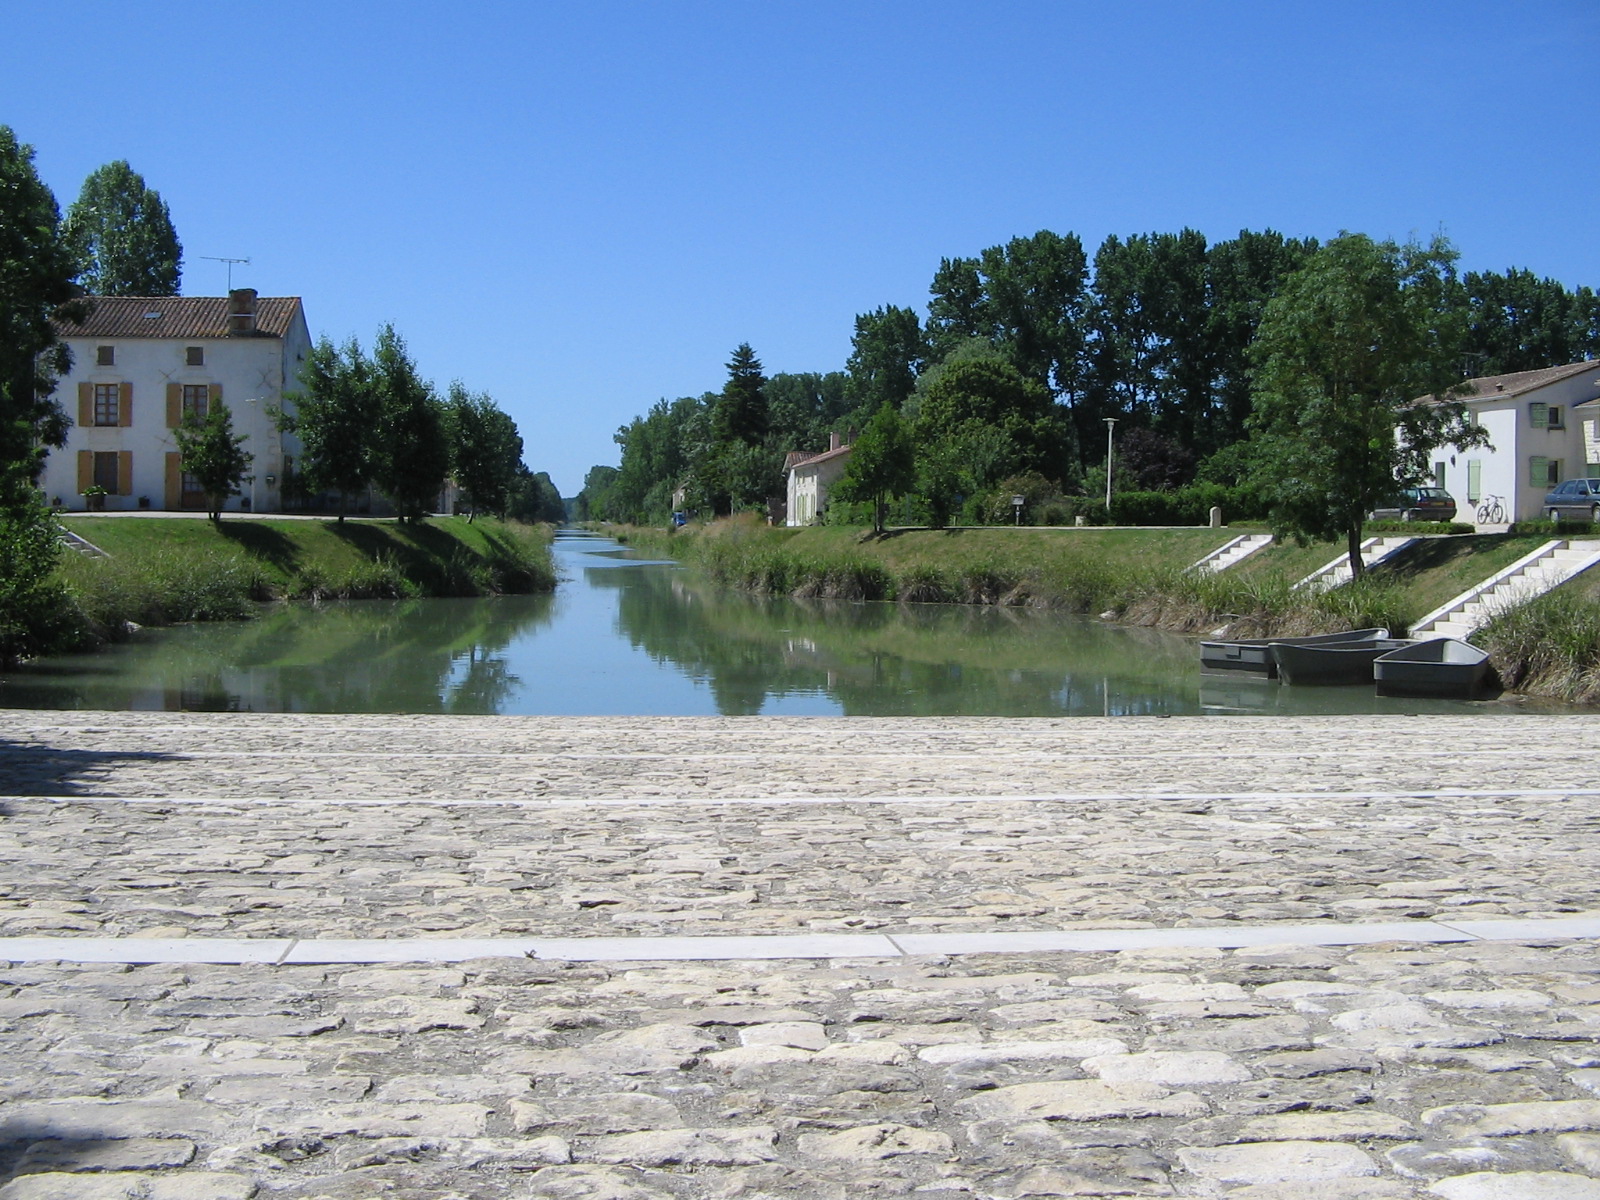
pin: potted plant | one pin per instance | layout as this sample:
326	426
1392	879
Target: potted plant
94	498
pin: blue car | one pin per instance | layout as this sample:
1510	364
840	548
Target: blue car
1576	500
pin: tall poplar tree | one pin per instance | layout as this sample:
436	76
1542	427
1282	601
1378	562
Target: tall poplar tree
121	232
411	452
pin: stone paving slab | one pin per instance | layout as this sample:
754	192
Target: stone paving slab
1170	1066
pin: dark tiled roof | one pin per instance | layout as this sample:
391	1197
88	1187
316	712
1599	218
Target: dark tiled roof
1491	386
180	317
799	459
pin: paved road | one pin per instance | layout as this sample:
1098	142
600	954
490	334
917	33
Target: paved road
1397	1068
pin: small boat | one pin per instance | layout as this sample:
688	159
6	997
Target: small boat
1442	667
1255	654
1333	662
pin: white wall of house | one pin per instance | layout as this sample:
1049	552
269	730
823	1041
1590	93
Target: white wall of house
809	482
252	373
1521	447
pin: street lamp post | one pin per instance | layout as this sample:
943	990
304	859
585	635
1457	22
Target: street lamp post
1111	424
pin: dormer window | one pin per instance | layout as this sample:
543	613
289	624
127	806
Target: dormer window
105	356
194	356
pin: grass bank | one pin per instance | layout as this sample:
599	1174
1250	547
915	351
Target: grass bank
1138	575
1549	647
164	570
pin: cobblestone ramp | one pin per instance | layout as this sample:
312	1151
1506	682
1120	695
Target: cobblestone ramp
1468	1071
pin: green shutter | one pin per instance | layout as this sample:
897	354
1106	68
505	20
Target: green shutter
1539	471
1474	480
1538	414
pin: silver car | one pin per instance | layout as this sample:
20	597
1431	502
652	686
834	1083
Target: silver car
1576	499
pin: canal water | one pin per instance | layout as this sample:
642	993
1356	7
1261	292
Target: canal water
626	635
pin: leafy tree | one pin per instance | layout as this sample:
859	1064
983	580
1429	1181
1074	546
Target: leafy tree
803	407
36	614
882	464
535	498
485	448
412	453
593	503
997	421
122	235
213	455
887	353
36	288
1519	322
1344	352
336	416
1147	461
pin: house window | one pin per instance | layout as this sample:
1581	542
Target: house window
1544	472
195	356
105	471
105	356
107	403
1438	474
196	400
1552	417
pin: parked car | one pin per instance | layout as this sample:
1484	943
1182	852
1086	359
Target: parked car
1418	504
1576	499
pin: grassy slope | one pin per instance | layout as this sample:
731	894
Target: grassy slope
288	553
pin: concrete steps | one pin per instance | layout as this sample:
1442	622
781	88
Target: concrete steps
1233	553
1373	551
1551	565
81	545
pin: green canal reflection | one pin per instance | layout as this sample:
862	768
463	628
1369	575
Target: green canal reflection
628	636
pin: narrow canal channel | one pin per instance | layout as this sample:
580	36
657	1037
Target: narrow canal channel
625	635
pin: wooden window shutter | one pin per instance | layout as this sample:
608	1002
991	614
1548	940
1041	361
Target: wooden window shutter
86	404
1474	480
1539	471
85	470
174	405
213	397
1538	414
174	479
125	405
124	472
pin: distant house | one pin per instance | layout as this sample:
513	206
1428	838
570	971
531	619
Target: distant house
139	364
810	477
1544	427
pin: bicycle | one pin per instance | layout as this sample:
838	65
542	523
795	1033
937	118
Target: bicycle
1492	511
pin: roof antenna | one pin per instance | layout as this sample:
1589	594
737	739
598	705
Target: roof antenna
230	262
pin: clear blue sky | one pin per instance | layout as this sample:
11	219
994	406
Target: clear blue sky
580	208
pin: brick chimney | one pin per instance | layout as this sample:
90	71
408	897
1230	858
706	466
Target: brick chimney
242	310
833	441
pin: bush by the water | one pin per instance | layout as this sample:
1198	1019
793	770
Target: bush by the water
1551	645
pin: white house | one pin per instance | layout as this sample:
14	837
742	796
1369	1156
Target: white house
1544	427
810	477
140	363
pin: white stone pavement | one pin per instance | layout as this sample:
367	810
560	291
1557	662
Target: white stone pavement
290	956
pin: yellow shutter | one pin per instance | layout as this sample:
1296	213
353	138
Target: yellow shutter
125	408
124	472
174	405
174	479
85	470
86	404
214	395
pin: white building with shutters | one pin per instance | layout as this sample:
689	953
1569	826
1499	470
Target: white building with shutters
139	364
1543	426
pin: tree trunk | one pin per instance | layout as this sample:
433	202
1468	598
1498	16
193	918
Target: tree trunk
878	507
1353	534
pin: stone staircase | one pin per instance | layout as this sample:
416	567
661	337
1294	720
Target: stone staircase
82	545
1373	551
1232	553
1550	565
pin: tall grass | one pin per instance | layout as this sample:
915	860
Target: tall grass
161	588
1550	645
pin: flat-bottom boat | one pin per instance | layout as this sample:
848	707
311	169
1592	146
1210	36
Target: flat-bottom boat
1444	667
1254	655
1333	662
